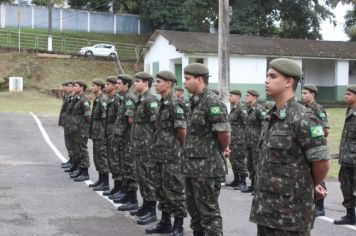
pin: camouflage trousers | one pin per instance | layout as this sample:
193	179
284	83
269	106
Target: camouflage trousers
79	144
100	156
113	156
252	155
238	159
203	206
266	231
67	143
145	176
129	178
169	183
347	179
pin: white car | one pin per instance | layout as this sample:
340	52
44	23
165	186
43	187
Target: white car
102	50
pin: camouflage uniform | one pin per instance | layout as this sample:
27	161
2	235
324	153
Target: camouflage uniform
79	129
112	140
63	121
284	188
203	165
237	120
141	139
166	152
347	160
253	126
122	129
97	134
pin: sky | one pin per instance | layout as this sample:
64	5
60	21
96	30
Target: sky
329	32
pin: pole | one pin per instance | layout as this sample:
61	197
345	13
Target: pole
18	26
223	55
49	25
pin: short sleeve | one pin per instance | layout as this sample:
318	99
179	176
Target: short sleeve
179	116
152	107
86	107
218	117
129	107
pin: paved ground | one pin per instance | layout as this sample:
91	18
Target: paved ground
38	198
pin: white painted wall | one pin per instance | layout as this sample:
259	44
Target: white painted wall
319	72
248	70
341	72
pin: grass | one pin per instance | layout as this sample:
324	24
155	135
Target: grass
334	169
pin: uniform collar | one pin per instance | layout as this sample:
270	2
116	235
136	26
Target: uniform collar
144	96
350	112
197	98
165	100
283	112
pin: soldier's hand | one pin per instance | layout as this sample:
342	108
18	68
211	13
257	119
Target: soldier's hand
320	192
226	152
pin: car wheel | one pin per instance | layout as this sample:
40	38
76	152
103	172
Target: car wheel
89	53
112	56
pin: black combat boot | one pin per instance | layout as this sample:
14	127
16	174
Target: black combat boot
319	208
131	203
75	173
84	175
177	227
122	198
349	219
163	227
98	182
198	233
67	165
248	189
118	195
150	214
235	182
104	186
141	210
72	169
117	187
242	183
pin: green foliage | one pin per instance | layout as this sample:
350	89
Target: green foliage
78	4
350	23
99	5
126	6
6	1
40	2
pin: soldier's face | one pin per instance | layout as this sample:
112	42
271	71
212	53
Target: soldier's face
276	83
250	99
307	96
179	93
234	99
78	89
69	88
120	87
139	85
162	86
94	88
190	83
109	87
350	98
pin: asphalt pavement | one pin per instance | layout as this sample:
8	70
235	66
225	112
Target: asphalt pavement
38	198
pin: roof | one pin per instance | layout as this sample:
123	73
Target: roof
193	42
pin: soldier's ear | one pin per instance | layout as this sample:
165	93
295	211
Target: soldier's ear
289	82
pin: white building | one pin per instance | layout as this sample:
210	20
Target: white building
330	65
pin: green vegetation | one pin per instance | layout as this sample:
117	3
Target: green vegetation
336	117
334	169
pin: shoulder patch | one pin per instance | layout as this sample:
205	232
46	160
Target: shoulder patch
215	110
180	110
153	105
316	131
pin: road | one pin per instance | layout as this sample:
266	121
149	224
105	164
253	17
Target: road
38	198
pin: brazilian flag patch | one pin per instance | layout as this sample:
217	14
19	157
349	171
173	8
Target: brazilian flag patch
215	111
316	131
180	110
129	103
153	105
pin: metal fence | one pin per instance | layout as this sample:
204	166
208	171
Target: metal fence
11	39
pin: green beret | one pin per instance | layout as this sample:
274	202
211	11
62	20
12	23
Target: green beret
111	79
196	69
287	67
125	77
143	75
351	88
166	75
235	92
71	83
215	91
253	92
82	83
179	88
99	82
310	87
65	83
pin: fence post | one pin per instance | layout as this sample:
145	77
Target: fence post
32	17
114	23
2	15
61	19
88	22
139	26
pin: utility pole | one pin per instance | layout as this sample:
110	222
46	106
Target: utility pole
224	55
50	25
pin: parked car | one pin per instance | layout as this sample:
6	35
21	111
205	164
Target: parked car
102	50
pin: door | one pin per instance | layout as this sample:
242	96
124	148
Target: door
178	72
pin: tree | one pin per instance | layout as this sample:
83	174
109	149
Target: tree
99	5
6	1
78	4
126	6
45	2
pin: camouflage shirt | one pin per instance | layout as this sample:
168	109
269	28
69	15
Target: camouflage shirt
237	119
144	122
347	152
319	112
98	118
202	155
284	187
64	110
112	108
171	115
79	110
254	122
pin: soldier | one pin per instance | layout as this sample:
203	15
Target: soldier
207	141
122	129
237	158
79	131
253	126
309	93
97	134
294	159
347	159
112	108
141	138
166	152
180	94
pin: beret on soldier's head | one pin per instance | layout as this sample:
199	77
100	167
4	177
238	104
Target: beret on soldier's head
82	83
143	75
166	75
99	82
215	91
253	92
351	88
125	77
72	82
179	88
287	67
111	79
65	83
310	87
235	92
196	69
